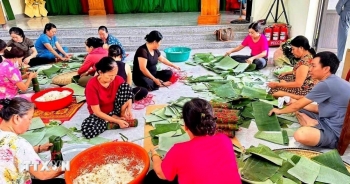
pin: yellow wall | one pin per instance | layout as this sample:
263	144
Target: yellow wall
301	15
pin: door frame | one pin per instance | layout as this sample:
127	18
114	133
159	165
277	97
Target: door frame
319	18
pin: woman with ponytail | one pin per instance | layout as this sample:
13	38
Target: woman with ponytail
296	83
208	157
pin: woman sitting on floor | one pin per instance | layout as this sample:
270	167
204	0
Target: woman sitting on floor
124	71
109	40
15	151
146	58
47	42
258	45
21	41
95	54
298	82
10	75
109	100
207	158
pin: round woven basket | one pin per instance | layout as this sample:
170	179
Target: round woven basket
307	153
64	78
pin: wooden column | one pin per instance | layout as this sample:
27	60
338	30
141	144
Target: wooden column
97	7
210	13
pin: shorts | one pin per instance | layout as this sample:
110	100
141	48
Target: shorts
328	138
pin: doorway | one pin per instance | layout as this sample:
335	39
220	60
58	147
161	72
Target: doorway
326	31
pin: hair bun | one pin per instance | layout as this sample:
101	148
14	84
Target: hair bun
6	102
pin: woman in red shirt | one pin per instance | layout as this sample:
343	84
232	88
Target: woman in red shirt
95	54
207	158
109	100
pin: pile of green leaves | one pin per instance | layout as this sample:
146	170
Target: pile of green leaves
262	165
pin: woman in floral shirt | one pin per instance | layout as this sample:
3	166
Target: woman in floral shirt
10	75
15	151
298	82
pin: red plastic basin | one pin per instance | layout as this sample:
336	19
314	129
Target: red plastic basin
55	104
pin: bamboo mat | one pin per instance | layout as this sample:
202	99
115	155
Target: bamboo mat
147	144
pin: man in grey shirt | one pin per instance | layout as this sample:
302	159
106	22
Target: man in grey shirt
321	124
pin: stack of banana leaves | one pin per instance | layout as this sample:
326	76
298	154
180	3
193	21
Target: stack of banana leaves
221	64
261	165
39	133
246	92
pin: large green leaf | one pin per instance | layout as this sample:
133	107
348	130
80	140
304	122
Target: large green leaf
278	137
226	91
332	160
266	153
328	175
164	128
257	169
284	171
166	142
262	119
253	92
241	68
305	170
34	138
78	90
226	63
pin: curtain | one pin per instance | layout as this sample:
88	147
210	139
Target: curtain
8	9
84	6
109	6
155	6
64	7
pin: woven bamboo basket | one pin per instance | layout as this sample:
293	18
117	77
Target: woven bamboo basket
64	78
307	153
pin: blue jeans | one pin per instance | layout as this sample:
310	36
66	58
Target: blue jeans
47	54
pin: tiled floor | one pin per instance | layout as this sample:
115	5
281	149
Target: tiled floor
118	20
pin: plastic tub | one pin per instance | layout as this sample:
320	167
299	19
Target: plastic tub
177	54
107	153
53	105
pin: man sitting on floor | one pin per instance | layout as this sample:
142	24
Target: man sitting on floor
321	124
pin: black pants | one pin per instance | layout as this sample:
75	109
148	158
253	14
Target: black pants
50	181
139	93
260	63
249	10
40	61
94	126
147	83
152	178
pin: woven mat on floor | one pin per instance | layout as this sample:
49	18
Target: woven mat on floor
147	144
63	115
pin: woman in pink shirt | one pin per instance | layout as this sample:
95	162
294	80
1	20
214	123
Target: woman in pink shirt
95	54
206	158
258	45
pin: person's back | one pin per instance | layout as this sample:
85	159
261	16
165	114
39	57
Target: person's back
334	108
205	159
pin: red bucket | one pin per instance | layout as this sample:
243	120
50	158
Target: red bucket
55	104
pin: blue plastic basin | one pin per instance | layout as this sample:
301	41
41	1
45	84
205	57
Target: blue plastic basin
177	54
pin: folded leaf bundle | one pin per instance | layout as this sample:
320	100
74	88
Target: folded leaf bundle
227	126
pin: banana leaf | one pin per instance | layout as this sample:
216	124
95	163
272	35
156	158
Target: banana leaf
166	142
271	102
285	181
258	170
169	112
160	113
241	68
34	138
332	160
305	170
160	122
256	182
284	171
233	78
266	153
53	70
328	175
226	63
240	102
262	119
36	123
284	123
74	65
253	92
203	57
164	128
152	118
78	90
80	98
226	91
191	63
250	68
245	123
199	87
289	117
247	112
291	131
280	137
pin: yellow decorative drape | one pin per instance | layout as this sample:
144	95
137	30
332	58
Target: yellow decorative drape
35	8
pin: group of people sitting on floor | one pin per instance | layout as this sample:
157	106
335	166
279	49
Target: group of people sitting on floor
109	97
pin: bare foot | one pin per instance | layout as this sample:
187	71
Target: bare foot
167	83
